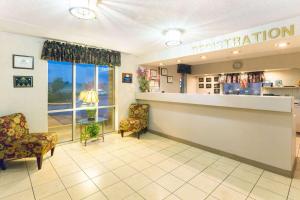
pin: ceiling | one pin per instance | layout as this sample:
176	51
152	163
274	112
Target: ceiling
136	26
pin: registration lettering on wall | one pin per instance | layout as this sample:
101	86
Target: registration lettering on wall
240	40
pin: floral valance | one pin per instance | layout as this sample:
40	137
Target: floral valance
65	52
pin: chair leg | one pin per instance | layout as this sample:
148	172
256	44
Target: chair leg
39	160
52	151
138	134
122	133
2	164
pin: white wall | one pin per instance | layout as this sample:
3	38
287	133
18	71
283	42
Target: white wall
30	101
125	92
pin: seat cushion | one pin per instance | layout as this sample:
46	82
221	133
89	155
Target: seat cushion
32	145
130	125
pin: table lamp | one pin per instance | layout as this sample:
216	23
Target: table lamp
90	97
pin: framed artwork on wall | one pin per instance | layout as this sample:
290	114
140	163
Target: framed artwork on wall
217	85
126	78
170	79
216	79
201	79
164	72
153	73
23	81
217	91
208	80
23	62
208	85
201	85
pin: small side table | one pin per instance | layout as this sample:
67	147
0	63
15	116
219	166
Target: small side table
85	136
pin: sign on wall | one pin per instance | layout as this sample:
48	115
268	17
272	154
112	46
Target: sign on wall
126	78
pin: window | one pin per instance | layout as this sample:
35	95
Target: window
66	83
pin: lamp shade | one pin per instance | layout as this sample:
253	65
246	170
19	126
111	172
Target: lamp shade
90	96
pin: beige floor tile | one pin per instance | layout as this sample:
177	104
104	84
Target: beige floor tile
189	192
296	182
196	165
224	167
276	177
125	171
82	190
185	172
137	181
153	192
170	182
96	196
73	179
106	180
118	191
211	198
14	187
225	193
204	183
172	197
67	169
26	195
114	164
156	158
250	168
168	165
214	174
238	185
95	170
154	172
294	193
134	196
47	189
140	164
245	175
180	159
43	176
229	161
63	195
11	176
259	193
189	154
204	160
273	186
129	158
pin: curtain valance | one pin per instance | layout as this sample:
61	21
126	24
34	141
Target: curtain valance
60	51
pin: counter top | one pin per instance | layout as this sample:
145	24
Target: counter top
267	103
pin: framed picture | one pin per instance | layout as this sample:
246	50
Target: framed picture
216	79
170	79
23	81
126	78
23	62
217	91
201	79
208	80
153	73
201	85
217	85
164	72
208	85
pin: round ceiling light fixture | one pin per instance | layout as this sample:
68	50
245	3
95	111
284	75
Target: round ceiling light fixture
83	13
173	37
282	45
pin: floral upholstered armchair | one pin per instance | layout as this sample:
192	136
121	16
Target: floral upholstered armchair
137	121
16	142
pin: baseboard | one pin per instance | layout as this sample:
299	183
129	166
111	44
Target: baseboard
231	156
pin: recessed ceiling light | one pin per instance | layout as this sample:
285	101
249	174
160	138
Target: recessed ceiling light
282	44
173	37
83	13
203	57
236	52
178	61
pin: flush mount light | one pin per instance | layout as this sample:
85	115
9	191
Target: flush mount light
173	37
178	61
236	52
203	57
282	44
161	64
83	13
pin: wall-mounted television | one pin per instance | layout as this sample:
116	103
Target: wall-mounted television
184	69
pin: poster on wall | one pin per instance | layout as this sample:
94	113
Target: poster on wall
23	62
153	73
164	71
170	79
23	81
126	78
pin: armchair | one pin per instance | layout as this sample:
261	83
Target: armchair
137	121
16	142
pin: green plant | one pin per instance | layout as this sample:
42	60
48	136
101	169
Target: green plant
93	129
91	113
143	81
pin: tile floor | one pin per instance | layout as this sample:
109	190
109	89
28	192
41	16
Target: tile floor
151	168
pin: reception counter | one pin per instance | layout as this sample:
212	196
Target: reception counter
258	130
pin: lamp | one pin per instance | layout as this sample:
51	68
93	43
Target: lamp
89	97
83	11
173	37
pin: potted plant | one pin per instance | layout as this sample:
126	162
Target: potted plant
143	81
92	130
